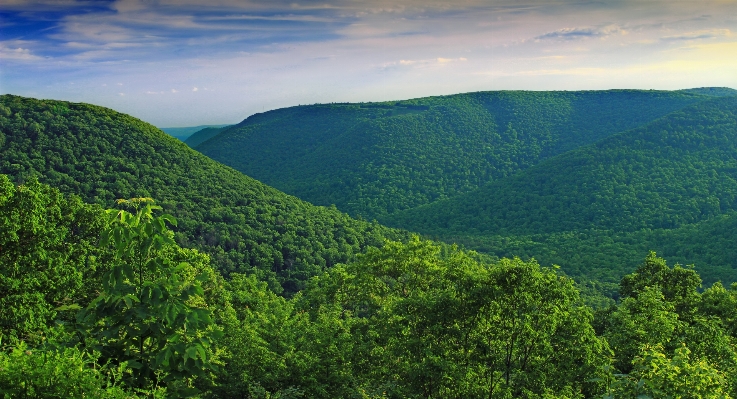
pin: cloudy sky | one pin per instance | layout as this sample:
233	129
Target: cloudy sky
192	62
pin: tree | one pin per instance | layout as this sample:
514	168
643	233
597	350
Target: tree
47	243
657	376
146	318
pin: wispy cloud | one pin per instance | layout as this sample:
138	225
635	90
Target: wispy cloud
698	35
581	33
258	54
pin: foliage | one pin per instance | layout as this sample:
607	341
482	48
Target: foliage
144	316
411	319
656	319
657	376
245	226
428	324
27	373
47	252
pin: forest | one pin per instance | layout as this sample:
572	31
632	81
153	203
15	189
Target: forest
132	265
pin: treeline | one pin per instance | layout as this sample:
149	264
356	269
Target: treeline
374	159
244	226
106	304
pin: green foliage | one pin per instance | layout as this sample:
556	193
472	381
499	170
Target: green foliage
433	324
373	159
245	226
144	316
663	313
656	376
47	252
27	373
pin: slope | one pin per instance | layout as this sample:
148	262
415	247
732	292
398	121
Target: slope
183	133
652	187
374	159
203	135
244	225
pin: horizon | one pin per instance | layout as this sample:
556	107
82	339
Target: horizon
182	63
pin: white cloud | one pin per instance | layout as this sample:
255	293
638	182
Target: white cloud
17	54
194	89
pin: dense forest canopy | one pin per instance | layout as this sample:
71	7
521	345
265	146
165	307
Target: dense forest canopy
102	155
202	282
407	320
373	159
653	187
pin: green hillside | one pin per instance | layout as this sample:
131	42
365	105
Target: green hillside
627	193
183	133
244	225
203	135
374	159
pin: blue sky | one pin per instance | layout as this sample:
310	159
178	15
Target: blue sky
191	62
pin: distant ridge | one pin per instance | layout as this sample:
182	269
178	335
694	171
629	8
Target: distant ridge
374	159
661	186
182	133
712	91
205	134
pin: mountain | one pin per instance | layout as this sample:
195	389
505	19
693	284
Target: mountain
374	159
203	135
183	133
654	187
245	226
712	91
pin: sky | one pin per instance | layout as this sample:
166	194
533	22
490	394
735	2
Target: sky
193	62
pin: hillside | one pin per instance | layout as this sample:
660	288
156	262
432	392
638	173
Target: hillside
102	155
183	133
373	159
634	188
203	135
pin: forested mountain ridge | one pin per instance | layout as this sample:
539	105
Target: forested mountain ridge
712	91
374	159
677	170
651	188
105	303
102	155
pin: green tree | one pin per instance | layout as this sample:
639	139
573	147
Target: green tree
656	376
146	317
47	246
58	372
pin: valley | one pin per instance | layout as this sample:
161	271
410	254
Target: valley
490	244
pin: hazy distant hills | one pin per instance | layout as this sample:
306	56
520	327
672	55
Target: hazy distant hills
205	134
243	224
183	133
373	159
